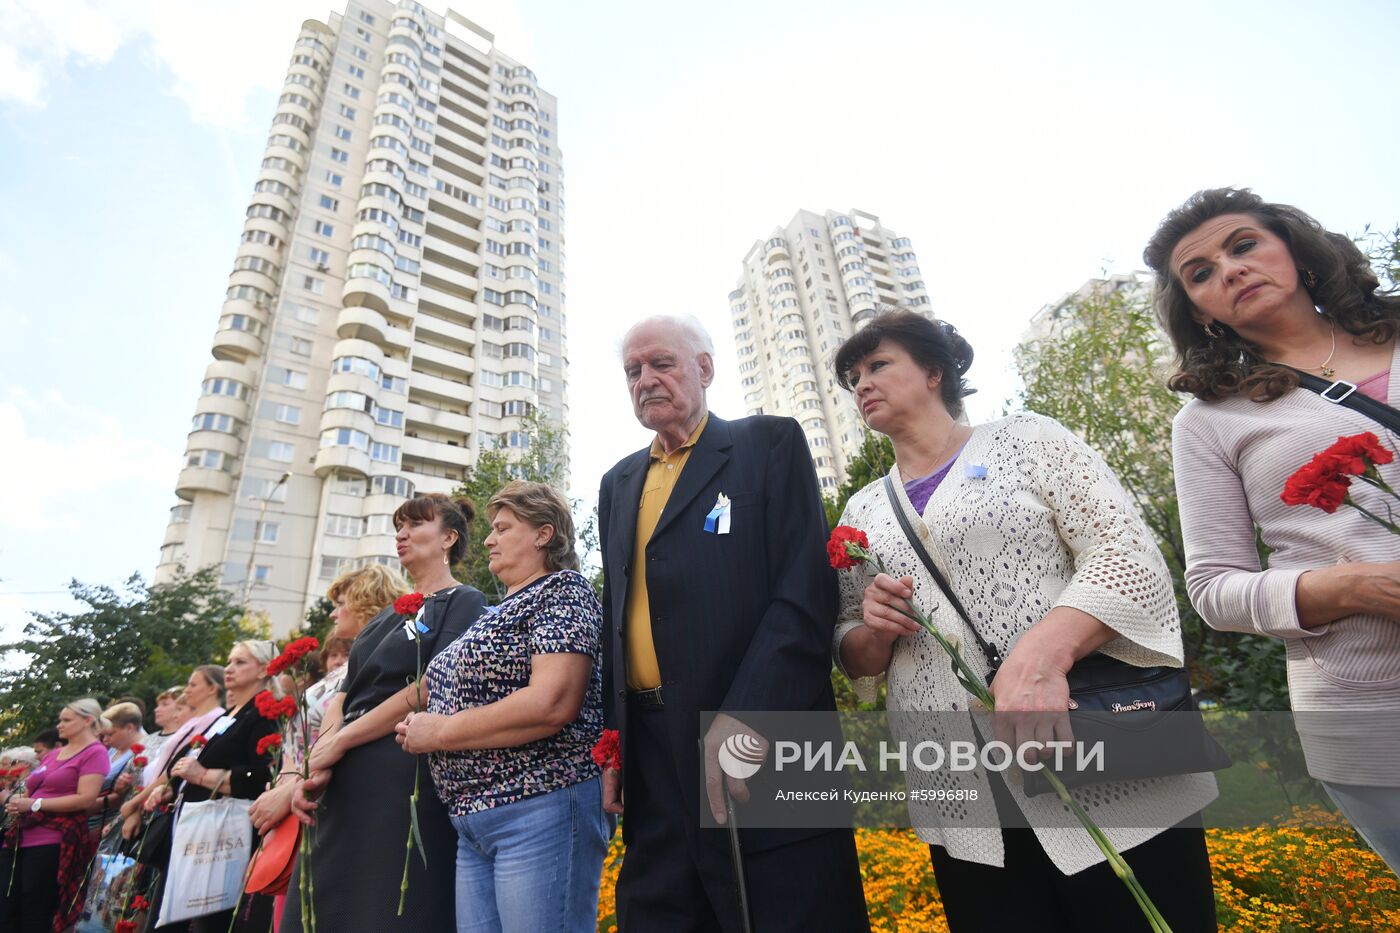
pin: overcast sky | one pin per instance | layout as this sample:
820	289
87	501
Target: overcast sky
1023	147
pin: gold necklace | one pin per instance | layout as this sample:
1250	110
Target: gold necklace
1327	371
938	461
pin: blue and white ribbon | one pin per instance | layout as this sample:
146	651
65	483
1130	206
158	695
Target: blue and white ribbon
717	522
413	627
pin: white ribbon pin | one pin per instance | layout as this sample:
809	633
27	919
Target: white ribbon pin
717	522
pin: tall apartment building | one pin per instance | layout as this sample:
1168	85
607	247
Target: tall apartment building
804	290
396	302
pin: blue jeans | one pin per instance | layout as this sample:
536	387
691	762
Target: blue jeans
1375	812
533	866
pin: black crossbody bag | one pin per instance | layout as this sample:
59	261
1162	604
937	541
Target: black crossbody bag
1124	706
1341	392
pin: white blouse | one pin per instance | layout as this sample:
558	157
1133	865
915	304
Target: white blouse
1028	518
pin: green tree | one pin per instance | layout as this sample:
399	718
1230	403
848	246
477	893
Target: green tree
543	458
1101	372
874	460
136	640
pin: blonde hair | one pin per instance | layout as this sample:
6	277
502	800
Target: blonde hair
124	714
537	505
170	693
263	652
91	710
368	590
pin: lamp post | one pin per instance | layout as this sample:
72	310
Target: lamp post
257	534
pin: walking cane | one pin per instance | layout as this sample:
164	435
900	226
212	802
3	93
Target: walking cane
736	861
736	851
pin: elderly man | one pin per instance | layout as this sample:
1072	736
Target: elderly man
712	607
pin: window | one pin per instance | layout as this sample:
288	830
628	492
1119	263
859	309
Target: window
340	155
344	526
281	451
342	132
213	422
224	387
388	416
385	453
330	203
348	112
334	179
392	486
207	459
368	18
262	573
352	92
355	364
318	257
313	285
305	315
345	437
379	525
291	378
394	383
180	514
277	411
355	71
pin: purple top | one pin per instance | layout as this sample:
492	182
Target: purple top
1376	387
921	490
58	777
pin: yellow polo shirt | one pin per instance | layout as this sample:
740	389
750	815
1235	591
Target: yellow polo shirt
643	672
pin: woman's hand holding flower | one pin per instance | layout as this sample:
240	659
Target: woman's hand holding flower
884	606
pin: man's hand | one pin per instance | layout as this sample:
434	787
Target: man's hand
722	728
612	791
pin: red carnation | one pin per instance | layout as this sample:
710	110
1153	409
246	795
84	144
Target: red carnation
1321	482
139	761
137	748
607	753
1357	453
408	604
269	743
838	547
140	903
198	742
125	926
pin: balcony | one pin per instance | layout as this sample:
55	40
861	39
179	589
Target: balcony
449	360
197	479
347	418
437	387
361	323
436	451
437	418
363	291
446	331
236	345
334	459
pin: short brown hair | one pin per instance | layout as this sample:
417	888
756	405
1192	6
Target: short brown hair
1346	291
335	646
538	505
934	345
456	513
368	590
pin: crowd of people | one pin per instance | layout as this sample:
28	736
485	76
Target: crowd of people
442	770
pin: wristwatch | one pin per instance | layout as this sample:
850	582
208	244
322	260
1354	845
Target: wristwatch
37	805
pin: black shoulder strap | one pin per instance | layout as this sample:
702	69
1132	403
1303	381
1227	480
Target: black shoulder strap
1344	393
991	652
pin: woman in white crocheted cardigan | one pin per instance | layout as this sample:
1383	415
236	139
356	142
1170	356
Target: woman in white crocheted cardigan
1052	562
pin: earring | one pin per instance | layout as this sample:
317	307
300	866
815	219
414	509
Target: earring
1310	278
1213	331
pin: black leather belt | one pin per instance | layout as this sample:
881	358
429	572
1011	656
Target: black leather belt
650	697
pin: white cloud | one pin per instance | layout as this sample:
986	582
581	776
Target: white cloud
60	458
41	38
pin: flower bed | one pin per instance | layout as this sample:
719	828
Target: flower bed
1311	873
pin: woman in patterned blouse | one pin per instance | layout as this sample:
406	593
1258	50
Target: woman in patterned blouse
1053	563
514	708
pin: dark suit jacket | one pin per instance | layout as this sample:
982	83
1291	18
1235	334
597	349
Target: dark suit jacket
741	621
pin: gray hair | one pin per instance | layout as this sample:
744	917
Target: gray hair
21	755
696	337
91	710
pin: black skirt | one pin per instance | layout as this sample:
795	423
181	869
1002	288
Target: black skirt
358	849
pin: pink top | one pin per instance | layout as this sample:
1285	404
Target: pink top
1376	386
57	777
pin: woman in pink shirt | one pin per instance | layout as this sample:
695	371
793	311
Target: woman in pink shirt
48	826
1251	293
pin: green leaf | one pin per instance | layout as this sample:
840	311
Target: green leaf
415	832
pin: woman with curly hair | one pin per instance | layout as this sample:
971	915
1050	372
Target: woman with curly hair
1253	293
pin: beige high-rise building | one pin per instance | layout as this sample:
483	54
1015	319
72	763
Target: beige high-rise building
396	302
804	290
